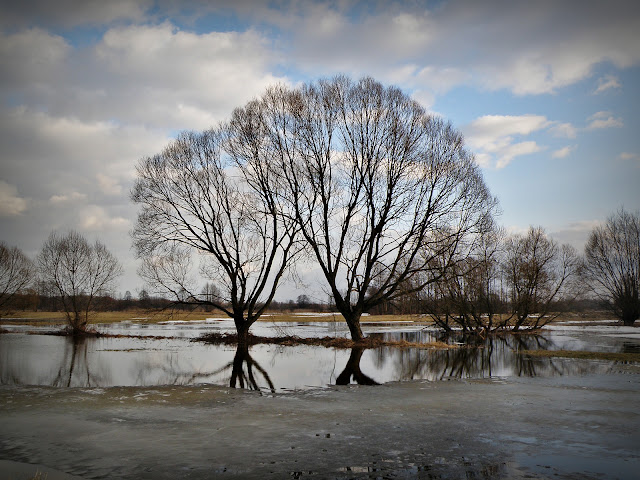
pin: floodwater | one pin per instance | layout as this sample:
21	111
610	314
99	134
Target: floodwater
163	408
176	359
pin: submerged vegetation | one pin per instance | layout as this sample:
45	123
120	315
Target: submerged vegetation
332	342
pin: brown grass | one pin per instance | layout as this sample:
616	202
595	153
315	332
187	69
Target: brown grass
584	355
332	342
156	316
139	316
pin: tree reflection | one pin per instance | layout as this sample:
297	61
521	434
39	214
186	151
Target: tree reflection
245	377
243	372
74	368
352	370
476	358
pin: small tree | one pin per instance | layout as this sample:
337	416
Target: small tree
469	297
79	272
537	273
510	283
16	273
611	267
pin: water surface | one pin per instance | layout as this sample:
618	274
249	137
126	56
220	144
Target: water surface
176	359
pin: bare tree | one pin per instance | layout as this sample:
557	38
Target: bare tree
16	273
80	272
538	272
377	187
194	198
611	267
506	283
470	295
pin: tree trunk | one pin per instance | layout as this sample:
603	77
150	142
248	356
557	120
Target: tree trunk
353	322
242	329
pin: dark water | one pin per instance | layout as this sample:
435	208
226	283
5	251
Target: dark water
47	360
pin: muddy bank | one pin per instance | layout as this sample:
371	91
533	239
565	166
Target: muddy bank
557	427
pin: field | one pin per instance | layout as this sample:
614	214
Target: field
147	316
43	318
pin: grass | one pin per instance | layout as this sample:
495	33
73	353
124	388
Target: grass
584	355
157	316
332	342
141	316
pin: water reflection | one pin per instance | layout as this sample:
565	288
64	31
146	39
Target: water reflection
245	377
475	358
103	362
74	359
352	370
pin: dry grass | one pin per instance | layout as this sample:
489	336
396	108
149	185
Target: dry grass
332	342
304	317
584	355
139	316
156	316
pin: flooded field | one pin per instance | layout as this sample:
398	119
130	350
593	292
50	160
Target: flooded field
163	407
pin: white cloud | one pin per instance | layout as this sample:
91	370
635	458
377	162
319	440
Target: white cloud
508	153
484	159
630	156
493	136
67	198
441	79
563	152
487	129
62	154
95	218
69	13
155	76
109	185
424	98
32	59
603	120
525	47
575	233
606	83
564	130
11	204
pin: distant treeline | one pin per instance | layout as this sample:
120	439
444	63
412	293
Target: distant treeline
32	300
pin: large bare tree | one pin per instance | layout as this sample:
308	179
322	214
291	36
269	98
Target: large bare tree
195	199
16	273
79	271
612	264
378	188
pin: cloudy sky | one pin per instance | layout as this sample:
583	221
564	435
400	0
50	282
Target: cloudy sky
547	94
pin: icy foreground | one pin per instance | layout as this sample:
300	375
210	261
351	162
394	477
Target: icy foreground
515	427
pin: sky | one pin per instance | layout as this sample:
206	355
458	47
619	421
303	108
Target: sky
546	93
